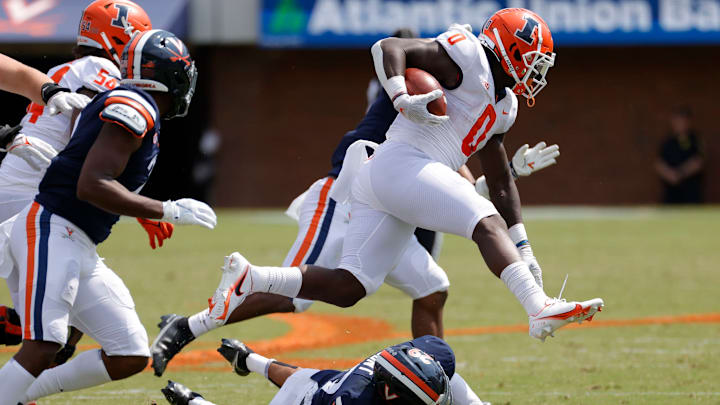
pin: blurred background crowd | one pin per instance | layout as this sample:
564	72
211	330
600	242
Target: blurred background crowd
630	100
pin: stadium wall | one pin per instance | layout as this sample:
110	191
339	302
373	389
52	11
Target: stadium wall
280	114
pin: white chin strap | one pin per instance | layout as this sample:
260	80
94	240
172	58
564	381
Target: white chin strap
509	64
549	61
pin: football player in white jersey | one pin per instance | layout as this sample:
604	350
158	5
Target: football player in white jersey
106	26
412	180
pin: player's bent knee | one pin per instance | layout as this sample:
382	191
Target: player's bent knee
433	302
120	367
347	289
35	355
488	227
136	364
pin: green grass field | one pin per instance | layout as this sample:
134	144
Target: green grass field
644	262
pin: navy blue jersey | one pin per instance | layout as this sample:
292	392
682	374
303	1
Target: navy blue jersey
373	127
129	107
356	386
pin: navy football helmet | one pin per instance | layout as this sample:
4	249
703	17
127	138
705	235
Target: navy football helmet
407	375
157	60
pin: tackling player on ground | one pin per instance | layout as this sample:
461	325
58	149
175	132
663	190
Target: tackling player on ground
423	153
61	279
417	372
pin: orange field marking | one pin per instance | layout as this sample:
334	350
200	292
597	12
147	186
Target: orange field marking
309	331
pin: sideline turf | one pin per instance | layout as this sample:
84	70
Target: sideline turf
643	262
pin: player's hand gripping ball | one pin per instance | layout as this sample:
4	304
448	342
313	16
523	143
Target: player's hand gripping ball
425	102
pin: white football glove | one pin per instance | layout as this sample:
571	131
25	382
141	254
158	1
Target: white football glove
65	102
415	109
187	211
530	160
36	152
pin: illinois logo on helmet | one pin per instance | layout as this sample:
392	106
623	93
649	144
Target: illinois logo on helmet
109	25
523	44
157	60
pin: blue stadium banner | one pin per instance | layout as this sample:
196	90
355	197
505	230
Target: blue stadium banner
57	20
358	23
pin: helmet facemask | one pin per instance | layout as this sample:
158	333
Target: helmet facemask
537	64
181	102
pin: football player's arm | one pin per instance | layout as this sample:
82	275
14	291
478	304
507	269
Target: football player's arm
391	56
38	87
504	195
106	161
21	79
126	124
525	162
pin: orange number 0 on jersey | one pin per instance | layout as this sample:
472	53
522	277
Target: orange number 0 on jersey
454	39
471	141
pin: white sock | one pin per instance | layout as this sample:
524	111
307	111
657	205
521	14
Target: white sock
85	370
258	364
199	401
520	281
276	280
14	382
462	393
201	323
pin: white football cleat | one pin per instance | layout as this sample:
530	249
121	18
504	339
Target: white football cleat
234	272
557	313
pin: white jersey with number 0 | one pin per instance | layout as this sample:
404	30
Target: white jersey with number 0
91	72
475	115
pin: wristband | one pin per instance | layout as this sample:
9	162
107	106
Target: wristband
395	87
50	89
513	172
518	235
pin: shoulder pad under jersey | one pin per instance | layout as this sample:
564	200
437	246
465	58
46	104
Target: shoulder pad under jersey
92	72
461	45
507	111
129	110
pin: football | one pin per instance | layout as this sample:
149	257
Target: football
419	81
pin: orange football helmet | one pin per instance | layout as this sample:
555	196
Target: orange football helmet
109	25
523	44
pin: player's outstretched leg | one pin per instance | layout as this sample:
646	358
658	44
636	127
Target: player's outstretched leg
177	331
338	287
545	314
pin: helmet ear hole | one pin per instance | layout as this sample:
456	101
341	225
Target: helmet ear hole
517	56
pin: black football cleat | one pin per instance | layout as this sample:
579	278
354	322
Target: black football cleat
8	134
236	353
174	335
178	394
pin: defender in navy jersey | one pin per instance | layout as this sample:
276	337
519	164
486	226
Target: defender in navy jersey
416	372
60	278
